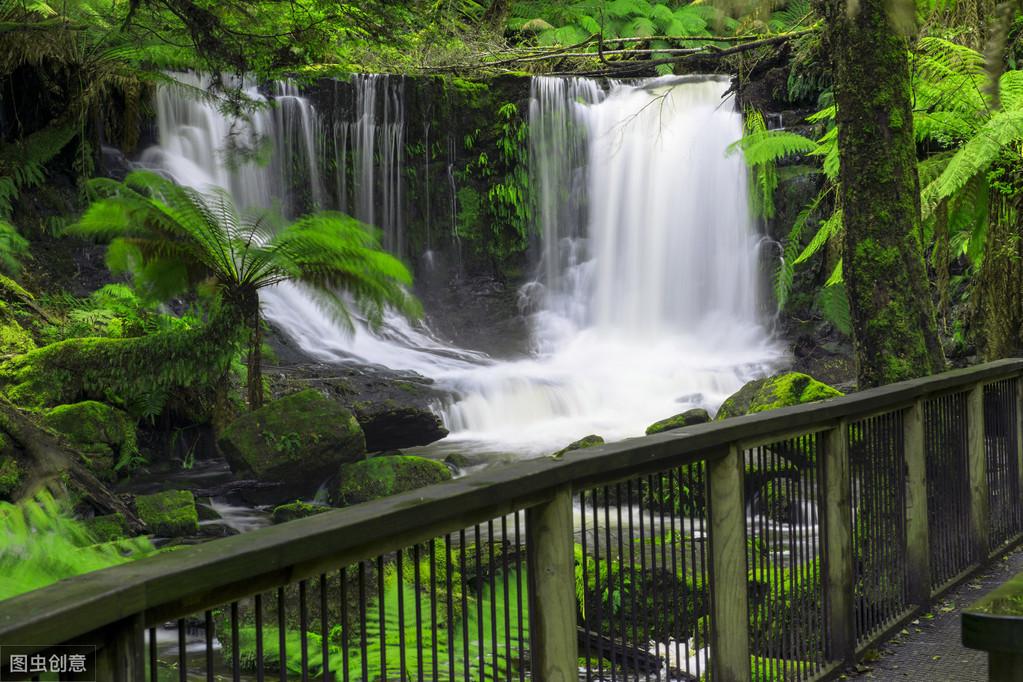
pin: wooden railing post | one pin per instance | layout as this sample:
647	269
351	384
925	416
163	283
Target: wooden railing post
977	465
918	541
552	608
1019	435
729	618
839	577
120	651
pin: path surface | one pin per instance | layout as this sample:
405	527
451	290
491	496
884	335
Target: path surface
929	649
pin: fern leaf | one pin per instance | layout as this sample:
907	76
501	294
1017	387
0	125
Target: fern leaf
977	155
828	229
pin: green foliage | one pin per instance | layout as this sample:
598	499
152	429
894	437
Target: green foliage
10	476
498	222
174	239
575	22
112	311
41	543
762	149
475	610
137	374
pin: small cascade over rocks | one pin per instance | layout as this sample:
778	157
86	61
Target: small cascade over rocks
645	303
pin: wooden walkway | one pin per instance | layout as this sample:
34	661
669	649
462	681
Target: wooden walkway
930	650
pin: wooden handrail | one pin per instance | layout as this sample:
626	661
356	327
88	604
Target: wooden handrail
202	576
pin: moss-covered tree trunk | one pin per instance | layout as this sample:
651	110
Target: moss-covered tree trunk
894	325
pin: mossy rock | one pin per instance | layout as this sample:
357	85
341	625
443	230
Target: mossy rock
769	393
589	441
94	427
697	415
107	528
379	477
170	513
296	510
296	442
10	477
458	461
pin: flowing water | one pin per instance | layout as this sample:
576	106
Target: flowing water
646	298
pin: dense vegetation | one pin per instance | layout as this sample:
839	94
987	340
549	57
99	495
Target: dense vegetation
903	139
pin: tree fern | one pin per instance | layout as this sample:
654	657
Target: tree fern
173	237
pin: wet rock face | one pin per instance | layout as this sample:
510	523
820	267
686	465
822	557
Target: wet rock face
393	408
294	443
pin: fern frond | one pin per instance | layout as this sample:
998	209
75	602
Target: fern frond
977	155
828	229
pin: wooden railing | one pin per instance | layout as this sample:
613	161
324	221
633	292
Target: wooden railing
874	522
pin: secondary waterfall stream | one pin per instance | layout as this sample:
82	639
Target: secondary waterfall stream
646	298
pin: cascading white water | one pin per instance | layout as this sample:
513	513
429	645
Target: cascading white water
646	301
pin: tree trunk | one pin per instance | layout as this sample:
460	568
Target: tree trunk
255	379
894	324
55	463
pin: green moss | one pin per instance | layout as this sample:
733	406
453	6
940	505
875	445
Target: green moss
10	477
301	438
296	510
696	415
107	528
170	513
379	477
589	441
14	339
468	87
136	373
782	390
93	425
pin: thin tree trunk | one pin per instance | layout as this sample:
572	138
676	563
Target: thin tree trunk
894	323
255	380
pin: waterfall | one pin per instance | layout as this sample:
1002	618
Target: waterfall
646	301
377	137
645	298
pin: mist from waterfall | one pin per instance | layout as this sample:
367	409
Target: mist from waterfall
645	302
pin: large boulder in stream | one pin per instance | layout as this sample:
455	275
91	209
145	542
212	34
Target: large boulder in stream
780	390
379	477
295	443
393	408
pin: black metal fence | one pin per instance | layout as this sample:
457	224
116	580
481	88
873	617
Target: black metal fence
768	547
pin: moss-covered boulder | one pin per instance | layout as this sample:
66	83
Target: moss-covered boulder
10	477
170	513
383	476
296	510
294	443
104	434
781	390
697	415
581	444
